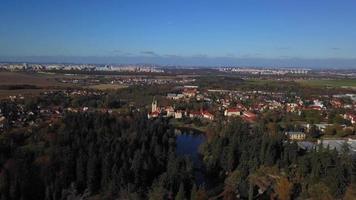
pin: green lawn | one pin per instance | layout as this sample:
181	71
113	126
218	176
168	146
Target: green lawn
107	86
259	82
312	83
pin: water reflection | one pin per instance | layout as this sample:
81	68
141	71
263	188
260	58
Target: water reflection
188	145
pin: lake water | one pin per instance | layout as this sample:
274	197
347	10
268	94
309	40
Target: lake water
188	145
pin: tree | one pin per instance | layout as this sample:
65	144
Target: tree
4	184
181	194
201	194
350	193
319	191
272	128
158	192
333	130
314	132
193	193
231	185
283	188
72	194
93	178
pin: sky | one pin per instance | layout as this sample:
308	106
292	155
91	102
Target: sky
296	33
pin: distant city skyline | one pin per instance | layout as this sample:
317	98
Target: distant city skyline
180	32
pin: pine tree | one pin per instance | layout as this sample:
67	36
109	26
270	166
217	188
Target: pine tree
158	192
93	178
193	193
201	194
181	193
4	185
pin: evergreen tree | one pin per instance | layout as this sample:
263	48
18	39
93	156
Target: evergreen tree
193	192
181	193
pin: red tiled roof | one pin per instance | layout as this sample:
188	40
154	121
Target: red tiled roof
313	108
154	113
249	114
207	113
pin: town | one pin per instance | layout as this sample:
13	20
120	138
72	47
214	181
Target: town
326	116
177	100
307	116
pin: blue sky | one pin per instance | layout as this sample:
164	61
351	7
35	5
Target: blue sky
189	32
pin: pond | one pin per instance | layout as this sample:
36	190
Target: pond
188	145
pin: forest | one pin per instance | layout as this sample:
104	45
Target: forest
95	155
253	163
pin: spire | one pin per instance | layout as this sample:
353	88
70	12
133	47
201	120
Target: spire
154	104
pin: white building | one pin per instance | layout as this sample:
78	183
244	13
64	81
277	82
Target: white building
178	114
295	135
232	112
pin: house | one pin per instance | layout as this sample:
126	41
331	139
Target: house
313	107
274	105
178	114
191	86
318	105
170	111
69	109
225	103
179	96
195	114
207	115
190	92
351	117
336	103
171	96
294	135
199	97
321	127
232	112
306	146
249	116
291	107
153	115
2	121
240	106
206	99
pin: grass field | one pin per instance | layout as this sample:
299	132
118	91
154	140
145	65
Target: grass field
336	83
259	82
330	83
107	86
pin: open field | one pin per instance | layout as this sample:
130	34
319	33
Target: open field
330	83
27	84
39	80
259	82
107	86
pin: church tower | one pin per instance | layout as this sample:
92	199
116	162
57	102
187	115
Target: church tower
154	105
